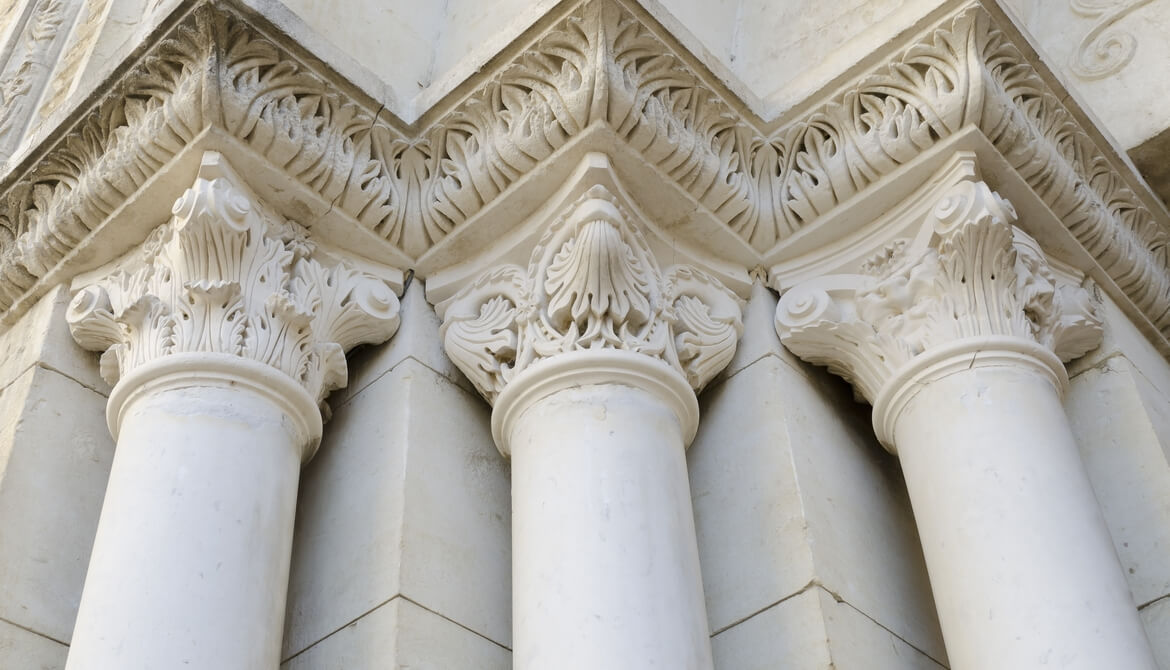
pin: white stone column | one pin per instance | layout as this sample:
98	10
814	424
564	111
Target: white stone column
221	340
591	357
957	339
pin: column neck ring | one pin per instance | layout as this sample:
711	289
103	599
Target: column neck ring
219	370
959	356
594	367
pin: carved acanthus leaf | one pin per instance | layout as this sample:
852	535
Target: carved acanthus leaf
591	283
975	276
599	65
226	275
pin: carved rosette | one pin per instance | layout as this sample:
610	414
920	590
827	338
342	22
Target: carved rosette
974	276
227	276
592	283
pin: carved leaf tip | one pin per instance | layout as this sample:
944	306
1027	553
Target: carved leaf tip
228	275
976	275
592	282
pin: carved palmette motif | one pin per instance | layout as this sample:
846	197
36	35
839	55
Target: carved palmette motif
227	276
600	64
592	283
976	276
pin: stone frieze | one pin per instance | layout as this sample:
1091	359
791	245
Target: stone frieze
603	63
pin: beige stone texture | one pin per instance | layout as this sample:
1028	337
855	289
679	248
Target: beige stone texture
417	339
829	38
28	651
799	496
55	455
1111	56
395	40
814	631
407	498
809	550
1123	88
1156	617
401	634
1120	412
42	337
1120	443
1122	337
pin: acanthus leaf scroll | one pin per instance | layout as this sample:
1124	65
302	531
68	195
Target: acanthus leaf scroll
592	283
227	276
598	64
977	275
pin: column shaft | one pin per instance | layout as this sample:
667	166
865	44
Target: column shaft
1022	567
190	565
605	561
221	335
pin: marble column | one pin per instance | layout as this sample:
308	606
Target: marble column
591	357
957	338
221	338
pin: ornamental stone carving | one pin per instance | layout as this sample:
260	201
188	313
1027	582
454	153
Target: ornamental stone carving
28	64
970	276
592	283
601	66
227	276
1105	49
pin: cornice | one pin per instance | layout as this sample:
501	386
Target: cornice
606	64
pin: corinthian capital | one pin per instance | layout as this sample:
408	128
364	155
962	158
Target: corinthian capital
592	283
970	274
227	276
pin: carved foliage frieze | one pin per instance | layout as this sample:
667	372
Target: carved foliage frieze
591	283
226	275
977	275
600	64
147	118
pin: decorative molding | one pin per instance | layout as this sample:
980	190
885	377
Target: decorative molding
23	76
78	50
1105	49
227	276
148	117
973	275
601	64
592	283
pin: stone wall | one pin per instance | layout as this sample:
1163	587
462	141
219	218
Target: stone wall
55	455
402	551
1119	404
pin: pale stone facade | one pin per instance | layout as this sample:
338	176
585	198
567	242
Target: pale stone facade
738	334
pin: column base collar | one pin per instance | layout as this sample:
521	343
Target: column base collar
594	367
958	356
219	370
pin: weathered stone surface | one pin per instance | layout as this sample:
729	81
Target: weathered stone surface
408	497
405	635
414	189
801	494
56	457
